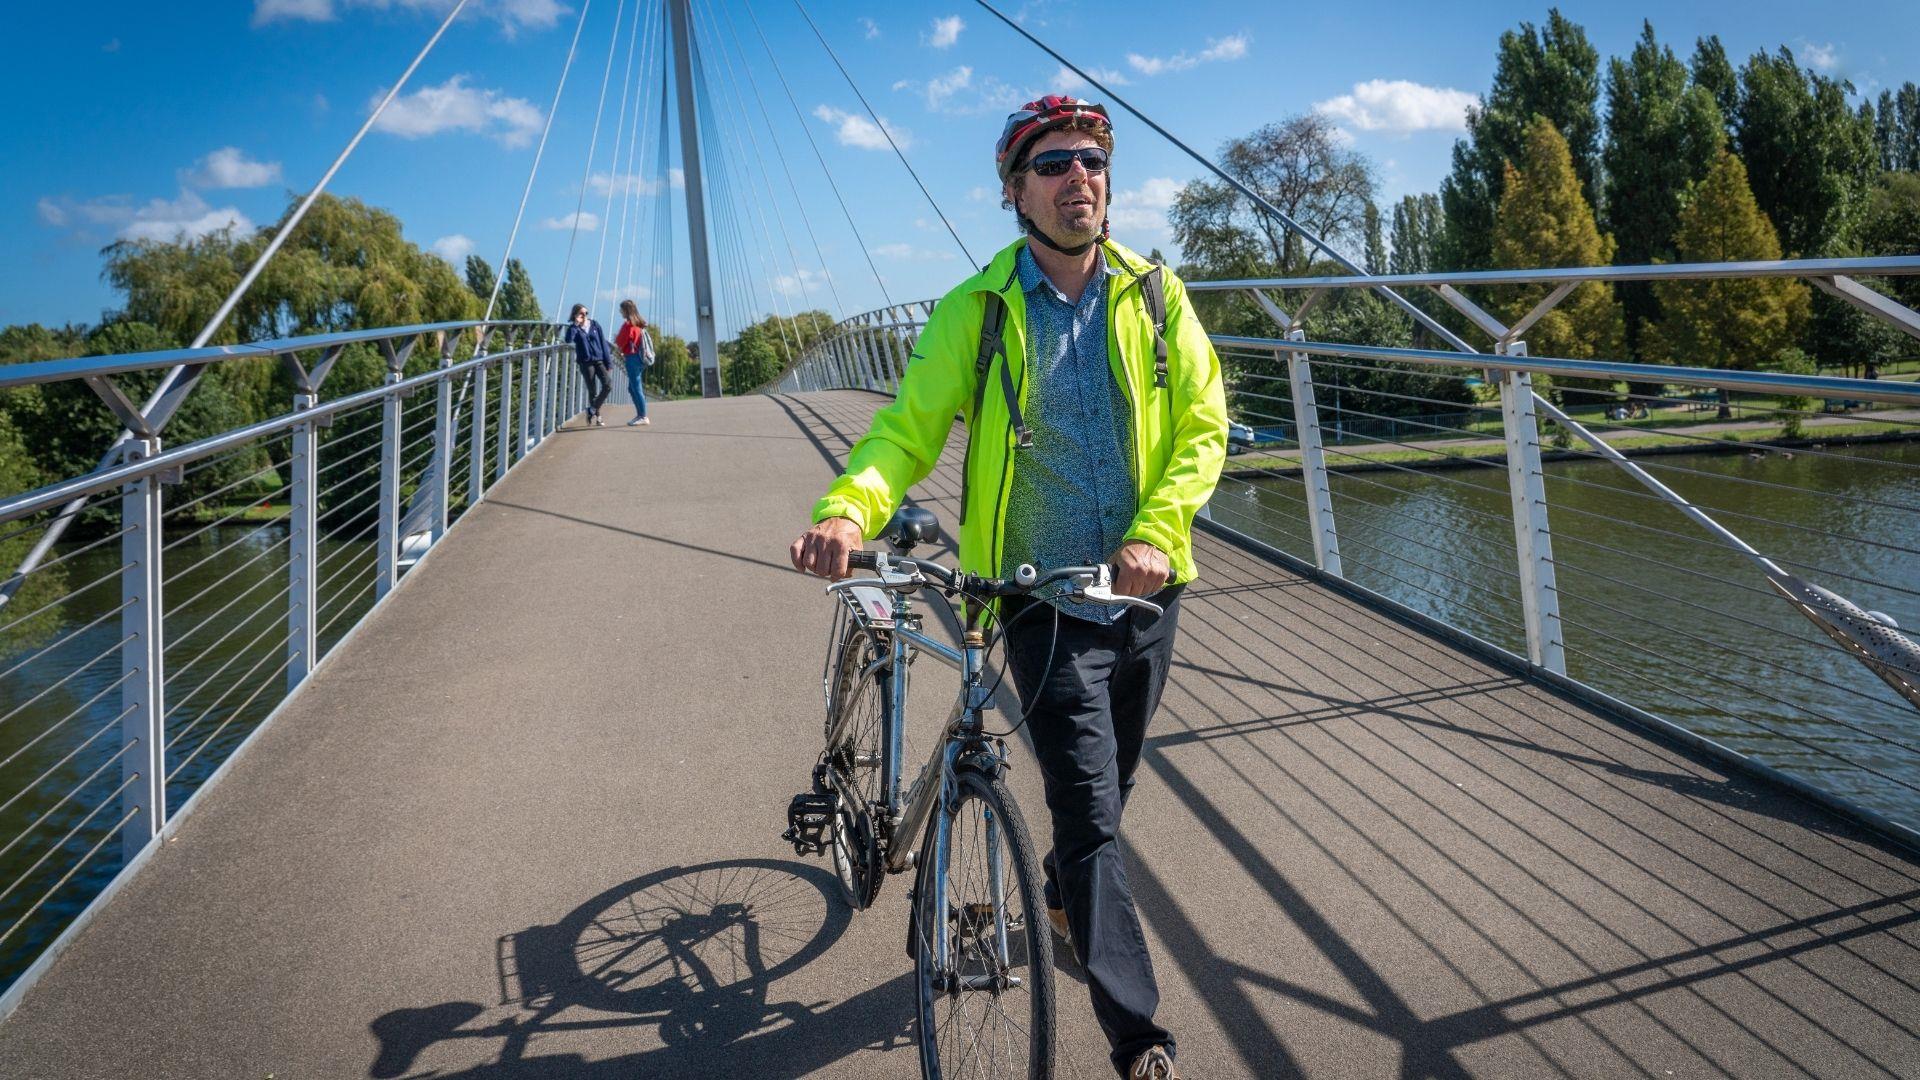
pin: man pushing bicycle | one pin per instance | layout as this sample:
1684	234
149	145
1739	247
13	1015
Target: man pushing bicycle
1097	428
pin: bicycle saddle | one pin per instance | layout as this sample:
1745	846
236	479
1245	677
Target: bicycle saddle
909	526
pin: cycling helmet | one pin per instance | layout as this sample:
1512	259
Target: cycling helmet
1035	119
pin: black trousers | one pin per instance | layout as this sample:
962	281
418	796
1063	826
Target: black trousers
1089	694
599	384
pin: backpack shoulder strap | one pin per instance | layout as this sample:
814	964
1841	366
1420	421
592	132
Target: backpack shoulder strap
993	324
1154	287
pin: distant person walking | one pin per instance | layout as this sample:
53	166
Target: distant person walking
636	348
595	357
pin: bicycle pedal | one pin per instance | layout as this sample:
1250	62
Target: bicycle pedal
809	821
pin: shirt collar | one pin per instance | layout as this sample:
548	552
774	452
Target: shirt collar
1033	278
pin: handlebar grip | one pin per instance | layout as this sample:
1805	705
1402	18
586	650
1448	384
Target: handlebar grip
863	560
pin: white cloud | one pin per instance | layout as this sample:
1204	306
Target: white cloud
1820	57
1398	107
945	32
230	167
1144	209
266	11
455	106
1064	81
454	249
189	216
981	193
635	291
512	15
111	46
858	131
633	183
944	87
909	252
584	220
1232	47
794	285
873	28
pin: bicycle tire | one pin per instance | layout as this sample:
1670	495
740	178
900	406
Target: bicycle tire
970	977
856	850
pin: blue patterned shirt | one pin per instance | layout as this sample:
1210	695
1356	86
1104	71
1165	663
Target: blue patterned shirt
1073	496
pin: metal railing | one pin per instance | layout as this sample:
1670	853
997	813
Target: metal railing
1629	547
211	579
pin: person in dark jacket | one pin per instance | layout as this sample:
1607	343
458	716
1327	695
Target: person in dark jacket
595	357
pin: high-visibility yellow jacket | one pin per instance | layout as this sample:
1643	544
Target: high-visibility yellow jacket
1179	431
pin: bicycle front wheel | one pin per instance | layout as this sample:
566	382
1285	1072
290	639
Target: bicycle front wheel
983	951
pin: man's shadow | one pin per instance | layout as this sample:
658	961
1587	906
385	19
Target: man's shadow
689	951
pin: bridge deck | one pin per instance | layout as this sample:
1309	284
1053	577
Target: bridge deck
526	824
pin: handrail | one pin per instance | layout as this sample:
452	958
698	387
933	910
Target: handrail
59	492
80	367
1758	382
1895	265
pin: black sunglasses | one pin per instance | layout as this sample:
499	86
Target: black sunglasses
1059	162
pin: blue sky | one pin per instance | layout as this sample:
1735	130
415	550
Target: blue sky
146	119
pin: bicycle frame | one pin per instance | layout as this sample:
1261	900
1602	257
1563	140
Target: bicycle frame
887	614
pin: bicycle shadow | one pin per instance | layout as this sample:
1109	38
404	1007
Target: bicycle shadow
691	952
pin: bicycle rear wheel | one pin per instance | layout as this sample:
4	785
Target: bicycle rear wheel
984	966
855	761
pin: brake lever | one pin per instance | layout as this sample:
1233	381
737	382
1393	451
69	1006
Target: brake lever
1103	594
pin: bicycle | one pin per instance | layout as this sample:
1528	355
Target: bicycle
989	955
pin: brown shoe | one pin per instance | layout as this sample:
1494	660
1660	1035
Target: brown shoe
1155	1064
1058	917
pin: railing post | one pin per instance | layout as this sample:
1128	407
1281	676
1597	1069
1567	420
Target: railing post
477	452
143	802
387	553
526	404
1313	461
442	449
301	548
504	452
1533	536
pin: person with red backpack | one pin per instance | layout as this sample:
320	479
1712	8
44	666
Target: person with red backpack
1097	429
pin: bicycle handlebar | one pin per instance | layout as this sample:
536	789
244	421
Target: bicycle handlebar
1094	583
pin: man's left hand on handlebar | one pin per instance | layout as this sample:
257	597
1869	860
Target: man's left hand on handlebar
1139	569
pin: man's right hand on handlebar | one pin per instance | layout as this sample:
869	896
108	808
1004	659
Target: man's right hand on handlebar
823	549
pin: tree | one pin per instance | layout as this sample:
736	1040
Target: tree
1415	233
1552	73
1376	261
345	266
1714	73
480	279
1300	166
1662	136
1810	158
1891	226
1543	221
1733	323
1896	129
517	299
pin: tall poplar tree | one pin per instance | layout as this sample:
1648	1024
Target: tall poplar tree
1810	158
1552	72
1376	241
1734	323
1662	137
1545	221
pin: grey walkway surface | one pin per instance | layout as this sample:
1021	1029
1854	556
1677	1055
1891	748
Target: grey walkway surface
526	824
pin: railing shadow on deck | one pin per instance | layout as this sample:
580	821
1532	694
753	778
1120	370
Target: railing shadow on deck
692	952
